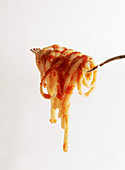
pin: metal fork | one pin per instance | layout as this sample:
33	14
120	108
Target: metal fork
36	50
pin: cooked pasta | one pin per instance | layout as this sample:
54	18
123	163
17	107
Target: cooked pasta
61	70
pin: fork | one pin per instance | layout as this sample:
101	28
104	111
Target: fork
36	50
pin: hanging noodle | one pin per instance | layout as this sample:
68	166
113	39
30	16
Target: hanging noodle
61	71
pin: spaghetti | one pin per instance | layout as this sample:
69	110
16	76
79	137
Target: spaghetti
61	71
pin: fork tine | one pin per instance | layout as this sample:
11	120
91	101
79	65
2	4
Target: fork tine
33	51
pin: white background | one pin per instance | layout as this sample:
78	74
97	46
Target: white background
97	124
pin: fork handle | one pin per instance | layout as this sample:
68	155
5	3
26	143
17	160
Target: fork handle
107	61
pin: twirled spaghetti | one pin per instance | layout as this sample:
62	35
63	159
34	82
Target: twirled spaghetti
61	71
